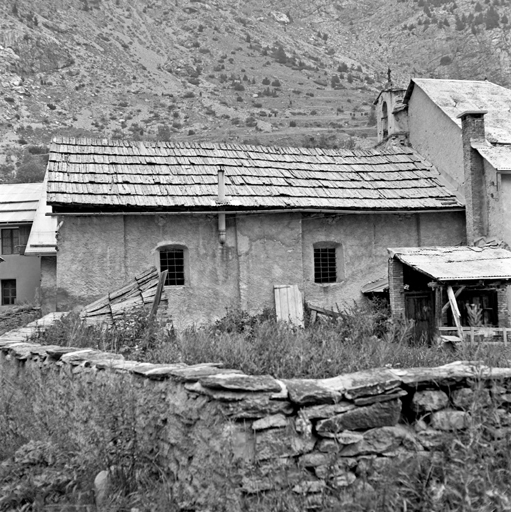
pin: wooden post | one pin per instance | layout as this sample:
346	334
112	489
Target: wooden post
504	336
455	312
157	297
438	307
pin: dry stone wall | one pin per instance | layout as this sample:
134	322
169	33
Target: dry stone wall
215	429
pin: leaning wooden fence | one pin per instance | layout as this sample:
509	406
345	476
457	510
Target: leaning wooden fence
144	289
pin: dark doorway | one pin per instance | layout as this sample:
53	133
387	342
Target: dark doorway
419	306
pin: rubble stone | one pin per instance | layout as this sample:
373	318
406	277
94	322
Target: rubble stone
240	382
371	416
308	392
429	401
281	442
275	420
449	419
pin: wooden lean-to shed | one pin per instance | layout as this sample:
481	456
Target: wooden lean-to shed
451	288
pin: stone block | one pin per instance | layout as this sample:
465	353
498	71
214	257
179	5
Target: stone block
281	442
275	420
382	441
429	401
368	400
325	411
449	419
361	418
258	405
240	382
337	467
307	392
364	383
432	439
465	398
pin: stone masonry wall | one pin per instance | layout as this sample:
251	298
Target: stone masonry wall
214	428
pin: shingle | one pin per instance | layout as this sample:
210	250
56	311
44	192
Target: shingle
168	175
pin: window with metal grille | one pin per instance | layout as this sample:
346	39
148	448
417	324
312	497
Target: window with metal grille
173	260
325	265
10	241
8	292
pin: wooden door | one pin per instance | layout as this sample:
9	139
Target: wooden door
419	307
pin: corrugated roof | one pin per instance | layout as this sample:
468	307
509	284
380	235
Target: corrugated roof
380	285
18	202
457	96
457	263
498	156
172	176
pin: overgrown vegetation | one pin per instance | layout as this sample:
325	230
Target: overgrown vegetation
363	336
57	435
47	463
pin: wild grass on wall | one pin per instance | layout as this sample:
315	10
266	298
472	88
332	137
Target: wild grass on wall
362	337
59	432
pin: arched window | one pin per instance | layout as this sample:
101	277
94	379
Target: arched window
328	262
384	119
173	259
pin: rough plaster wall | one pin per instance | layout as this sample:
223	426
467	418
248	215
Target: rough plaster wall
436	137
27	272
211	279
494	208
503	221
48	288
440	229
504	225
269	252
90	259
365	239
101	253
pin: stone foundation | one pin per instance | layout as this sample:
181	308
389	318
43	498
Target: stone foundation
212	428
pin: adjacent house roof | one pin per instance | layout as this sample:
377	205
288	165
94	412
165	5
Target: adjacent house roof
43	235
101	175
498	156
457	263
18	202
457	96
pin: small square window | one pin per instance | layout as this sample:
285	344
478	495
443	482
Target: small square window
8	292
173	260
325	268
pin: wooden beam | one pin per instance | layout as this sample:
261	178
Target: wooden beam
326	312
157	297
456	295
455	311
438	307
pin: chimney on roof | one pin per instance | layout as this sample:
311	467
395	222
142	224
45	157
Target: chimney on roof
472	132
221	201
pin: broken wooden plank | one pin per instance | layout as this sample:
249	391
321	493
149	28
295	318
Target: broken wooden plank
455	311
323	311
289	304
456	295
157	297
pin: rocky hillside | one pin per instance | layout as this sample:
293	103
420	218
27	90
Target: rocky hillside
283	72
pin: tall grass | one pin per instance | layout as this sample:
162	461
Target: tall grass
53	444
48	461
362	337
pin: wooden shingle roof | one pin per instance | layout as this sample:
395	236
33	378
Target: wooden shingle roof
126	175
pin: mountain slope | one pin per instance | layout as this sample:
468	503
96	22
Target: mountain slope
270	72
